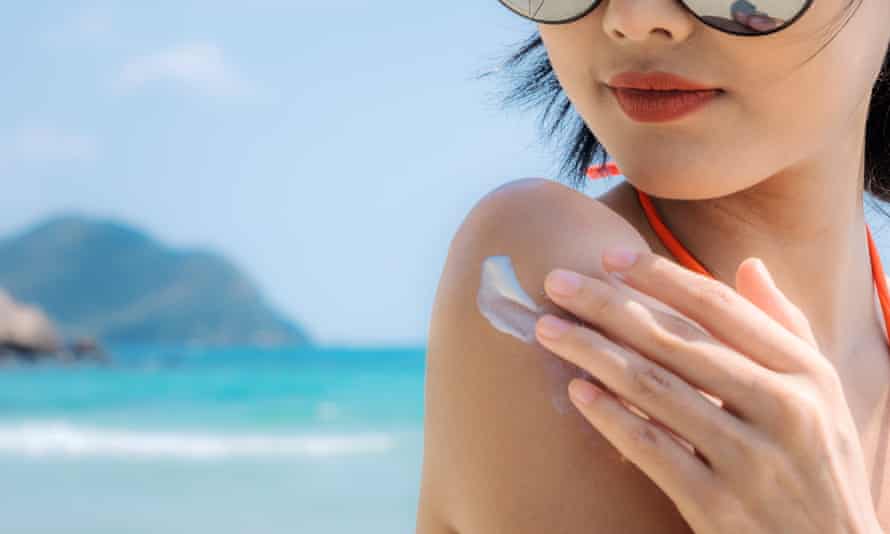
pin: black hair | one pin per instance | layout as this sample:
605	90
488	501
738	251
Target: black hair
533	83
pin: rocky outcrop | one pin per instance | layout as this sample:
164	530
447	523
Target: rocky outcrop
25	329
27	333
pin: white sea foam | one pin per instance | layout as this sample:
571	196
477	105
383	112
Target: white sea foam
60	438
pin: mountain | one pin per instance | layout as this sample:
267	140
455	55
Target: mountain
106	279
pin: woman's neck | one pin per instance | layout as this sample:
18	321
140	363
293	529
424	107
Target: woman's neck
807	225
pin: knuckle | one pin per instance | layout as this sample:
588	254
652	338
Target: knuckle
667	340
645	436
712	294
648	381
680	327
800	416
758	383
787	406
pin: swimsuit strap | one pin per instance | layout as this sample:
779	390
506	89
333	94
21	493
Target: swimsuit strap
686	258
667	238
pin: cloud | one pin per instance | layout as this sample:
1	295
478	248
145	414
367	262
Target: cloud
47	144
200	66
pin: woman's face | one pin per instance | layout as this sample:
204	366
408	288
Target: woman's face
777	115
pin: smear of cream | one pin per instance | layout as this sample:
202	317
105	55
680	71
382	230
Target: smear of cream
511	310
503	301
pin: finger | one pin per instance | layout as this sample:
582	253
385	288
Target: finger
655	390
728	316
670	341
754	282
681	476
629	406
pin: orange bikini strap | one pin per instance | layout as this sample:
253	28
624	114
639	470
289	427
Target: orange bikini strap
688	260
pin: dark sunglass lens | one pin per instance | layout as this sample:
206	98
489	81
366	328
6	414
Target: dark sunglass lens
549	11
744	17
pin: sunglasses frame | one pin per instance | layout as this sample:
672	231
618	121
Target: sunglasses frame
595	3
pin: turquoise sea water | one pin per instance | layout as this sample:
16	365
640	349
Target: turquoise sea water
217	441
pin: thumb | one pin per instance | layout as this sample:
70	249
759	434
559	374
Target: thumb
754	282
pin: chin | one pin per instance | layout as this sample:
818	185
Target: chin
680	184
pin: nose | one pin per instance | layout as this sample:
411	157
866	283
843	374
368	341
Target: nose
640	20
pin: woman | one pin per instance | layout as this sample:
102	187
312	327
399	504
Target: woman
760	177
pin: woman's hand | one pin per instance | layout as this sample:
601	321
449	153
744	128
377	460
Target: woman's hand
780	456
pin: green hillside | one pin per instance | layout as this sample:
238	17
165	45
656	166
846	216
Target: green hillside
109	280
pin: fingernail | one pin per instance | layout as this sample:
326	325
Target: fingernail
619	258
564	282
552	326
583	391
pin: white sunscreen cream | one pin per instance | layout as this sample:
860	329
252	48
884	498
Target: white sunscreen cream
503	301
511	310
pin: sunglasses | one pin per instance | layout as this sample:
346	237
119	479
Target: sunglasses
737	17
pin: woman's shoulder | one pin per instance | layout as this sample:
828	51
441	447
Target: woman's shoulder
540	225
538	222
504	449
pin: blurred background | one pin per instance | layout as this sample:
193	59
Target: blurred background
221	236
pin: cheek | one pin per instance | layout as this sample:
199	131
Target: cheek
820	104
815	93
575	50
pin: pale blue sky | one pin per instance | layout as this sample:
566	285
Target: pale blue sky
328	148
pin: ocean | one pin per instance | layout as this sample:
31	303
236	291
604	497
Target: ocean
236	440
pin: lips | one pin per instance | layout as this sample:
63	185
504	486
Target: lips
659	96
656	81
660	106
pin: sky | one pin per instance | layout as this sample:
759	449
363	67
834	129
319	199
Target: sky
329	149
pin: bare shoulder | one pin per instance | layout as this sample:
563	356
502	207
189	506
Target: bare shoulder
504	450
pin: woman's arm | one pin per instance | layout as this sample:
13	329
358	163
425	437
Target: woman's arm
500	455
